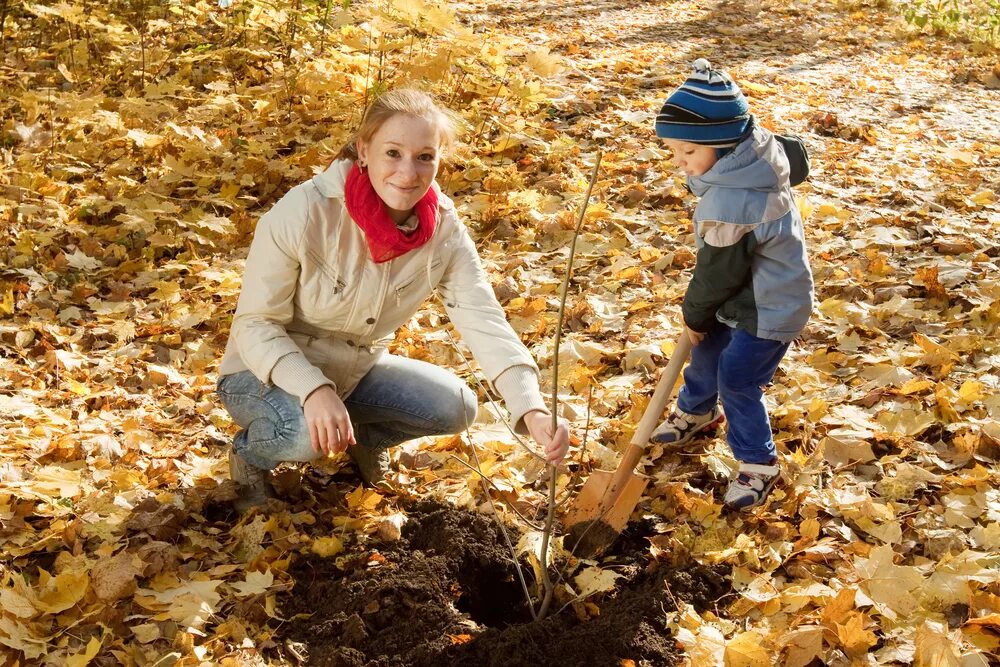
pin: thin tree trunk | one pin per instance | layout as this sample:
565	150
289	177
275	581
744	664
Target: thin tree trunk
4	8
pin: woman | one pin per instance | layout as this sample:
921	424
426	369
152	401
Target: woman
335	267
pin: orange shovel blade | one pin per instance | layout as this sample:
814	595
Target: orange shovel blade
592	501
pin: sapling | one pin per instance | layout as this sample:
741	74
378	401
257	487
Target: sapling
547	585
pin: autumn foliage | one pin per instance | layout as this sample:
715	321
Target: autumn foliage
141	140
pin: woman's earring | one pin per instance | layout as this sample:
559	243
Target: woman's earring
361	166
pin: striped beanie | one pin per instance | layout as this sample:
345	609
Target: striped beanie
707	109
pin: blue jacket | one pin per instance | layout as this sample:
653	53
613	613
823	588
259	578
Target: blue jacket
752	271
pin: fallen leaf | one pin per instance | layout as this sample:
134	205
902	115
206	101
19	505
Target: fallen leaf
116	577
89	653
746	650
256	582
595	580
328	546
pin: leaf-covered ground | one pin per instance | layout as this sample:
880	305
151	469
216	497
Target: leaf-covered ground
141	141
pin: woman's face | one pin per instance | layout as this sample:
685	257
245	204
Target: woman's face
402	160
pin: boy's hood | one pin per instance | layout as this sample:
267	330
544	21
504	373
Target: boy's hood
747	186
756	163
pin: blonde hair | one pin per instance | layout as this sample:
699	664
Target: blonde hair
403	101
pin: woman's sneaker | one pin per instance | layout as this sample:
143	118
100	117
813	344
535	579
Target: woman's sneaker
251	484
681	426
752	485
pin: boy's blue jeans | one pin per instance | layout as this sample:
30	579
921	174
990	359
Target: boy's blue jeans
734	365
398	400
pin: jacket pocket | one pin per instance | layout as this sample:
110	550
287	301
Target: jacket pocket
411	280
322	293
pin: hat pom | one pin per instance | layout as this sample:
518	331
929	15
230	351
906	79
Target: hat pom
701	66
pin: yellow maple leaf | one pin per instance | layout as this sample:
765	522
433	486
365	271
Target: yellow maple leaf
544	63
837	611
7	300
746	650
83	658
595	580
705	644
915	386
934	353
19	637
190	603
254	583
853	636
971	391
942	394
440	18
802	646
328	546
363	499
935	648
818	408
889	585
984	197
952	580
144	139
410	8
907	422
61	592
20	603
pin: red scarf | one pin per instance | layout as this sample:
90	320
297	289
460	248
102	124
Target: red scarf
385	240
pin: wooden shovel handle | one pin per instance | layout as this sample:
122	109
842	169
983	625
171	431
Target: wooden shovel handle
663	390
653	411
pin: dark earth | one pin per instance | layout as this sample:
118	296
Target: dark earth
447	593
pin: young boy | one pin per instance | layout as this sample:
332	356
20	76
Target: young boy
752	290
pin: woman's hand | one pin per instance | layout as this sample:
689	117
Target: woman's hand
329	424
540	427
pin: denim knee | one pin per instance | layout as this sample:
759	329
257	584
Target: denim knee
459	413
274	426
732	386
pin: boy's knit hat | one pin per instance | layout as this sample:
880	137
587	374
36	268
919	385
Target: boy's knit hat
707	109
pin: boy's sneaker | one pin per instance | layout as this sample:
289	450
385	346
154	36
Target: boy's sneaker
751	486
251	484
372	465
681	426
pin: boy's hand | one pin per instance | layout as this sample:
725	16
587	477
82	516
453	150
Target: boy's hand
694	336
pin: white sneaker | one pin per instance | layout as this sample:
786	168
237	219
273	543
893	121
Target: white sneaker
681	426
752	485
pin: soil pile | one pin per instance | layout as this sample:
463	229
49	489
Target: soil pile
447	594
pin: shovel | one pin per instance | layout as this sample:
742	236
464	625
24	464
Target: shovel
606	501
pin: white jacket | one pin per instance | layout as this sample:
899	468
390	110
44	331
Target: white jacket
311	289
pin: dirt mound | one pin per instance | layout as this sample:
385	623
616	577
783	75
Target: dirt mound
447	594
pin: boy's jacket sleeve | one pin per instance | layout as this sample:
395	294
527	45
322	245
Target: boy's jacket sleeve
722	269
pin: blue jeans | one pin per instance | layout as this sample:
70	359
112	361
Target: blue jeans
398	400
734	365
